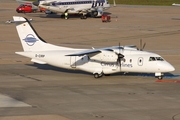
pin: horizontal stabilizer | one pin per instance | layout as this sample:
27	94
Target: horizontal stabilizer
20	19
30	55
23	53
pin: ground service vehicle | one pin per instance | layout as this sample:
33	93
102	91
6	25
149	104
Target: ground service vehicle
25	8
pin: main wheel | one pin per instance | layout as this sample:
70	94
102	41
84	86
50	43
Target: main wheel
96	75
83	16
94	14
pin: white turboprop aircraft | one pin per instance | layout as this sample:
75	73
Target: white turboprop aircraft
174	4
99	62
83	7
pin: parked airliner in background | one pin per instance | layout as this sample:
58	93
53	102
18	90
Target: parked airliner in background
174	4
83	7
99	62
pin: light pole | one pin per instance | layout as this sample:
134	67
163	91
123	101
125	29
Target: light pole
114	3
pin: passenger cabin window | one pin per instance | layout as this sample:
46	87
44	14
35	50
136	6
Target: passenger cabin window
156	59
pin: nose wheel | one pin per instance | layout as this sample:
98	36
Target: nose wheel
160	77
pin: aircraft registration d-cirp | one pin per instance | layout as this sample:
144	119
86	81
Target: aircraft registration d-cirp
99	62
83	7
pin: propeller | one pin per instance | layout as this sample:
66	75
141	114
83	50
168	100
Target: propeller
142	47
120	56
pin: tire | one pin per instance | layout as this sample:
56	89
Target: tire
160	77
83	17
96	75
94	14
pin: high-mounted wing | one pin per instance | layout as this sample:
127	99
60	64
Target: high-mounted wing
87	52
94	52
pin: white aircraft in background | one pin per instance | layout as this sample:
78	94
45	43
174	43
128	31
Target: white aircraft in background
83	7
174	4
99	62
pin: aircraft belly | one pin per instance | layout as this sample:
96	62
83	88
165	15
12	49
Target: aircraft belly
142	69
93	67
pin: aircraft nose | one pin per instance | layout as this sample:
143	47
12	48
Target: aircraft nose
36	3
171	68
165	67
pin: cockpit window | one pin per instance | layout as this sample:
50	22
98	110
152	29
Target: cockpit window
159	59
156	59
152	59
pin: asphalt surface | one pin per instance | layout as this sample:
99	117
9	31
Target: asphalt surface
30	91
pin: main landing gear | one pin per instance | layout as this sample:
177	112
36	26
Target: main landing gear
97	75
83	16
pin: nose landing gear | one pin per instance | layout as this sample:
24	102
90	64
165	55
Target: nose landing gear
159	75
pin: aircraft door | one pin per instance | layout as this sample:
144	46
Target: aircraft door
73	61
140	61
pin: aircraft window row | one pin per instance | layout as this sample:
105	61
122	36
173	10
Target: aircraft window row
77	2
156	59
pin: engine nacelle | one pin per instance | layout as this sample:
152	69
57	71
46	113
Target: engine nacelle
105	56
97	12
100	11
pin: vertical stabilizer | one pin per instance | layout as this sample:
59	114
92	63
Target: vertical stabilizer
30	40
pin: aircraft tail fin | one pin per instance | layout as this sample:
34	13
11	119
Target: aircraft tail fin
29	38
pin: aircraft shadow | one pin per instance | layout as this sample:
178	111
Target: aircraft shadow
53	68
166	75
175	18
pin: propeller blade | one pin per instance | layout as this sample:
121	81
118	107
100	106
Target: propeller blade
144	46
140	45
119	55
